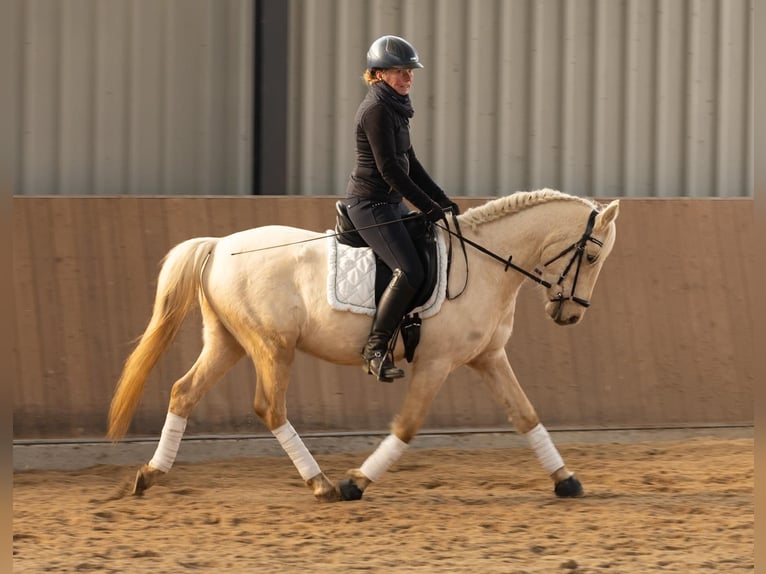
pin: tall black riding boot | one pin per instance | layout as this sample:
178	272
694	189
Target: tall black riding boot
391	308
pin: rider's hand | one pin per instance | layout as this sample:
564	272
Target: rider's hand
434	214
452	206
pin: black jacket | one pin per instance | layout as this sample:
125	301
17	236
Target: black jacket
386	166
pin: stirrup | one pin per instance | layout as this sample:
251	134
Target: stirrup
383	369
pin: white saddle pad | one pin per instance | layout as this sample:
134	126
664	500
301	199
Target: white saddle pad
351	278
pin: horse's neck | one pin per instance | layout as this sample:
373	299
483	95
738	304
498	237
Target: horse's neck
517	235
522	236
504	237
525	233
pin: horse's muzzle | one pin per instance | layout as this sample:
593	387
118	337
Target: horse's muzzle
564	312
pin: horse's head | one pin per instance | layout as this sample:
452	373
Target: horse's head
575	259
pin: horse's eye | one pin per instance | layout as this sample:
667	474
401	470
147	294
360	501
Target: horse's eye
592	258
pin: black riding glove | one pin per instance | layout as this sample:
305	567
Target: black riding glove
451	205
434	214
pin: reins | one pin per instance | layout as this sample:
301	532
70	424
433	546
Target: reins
578	247
508	263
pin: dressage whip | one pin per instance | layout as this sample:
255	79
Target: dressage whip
325	236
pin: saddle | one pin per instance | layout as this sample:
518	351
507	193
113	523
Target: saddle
424	237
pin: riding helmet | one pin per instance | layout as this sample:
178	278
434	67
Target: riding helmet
392	52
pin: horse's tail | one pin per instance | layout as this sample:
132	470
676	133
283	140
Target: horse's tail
177	287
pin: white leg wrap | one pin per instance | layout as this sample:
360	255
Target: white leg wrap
387	453
546	452
297	451
170	440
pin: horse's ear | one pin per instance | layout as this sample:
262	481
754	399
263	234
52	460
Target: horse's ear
608	215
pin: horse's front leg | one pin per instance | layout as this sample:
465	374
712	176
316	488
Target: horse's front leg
427	379
498	375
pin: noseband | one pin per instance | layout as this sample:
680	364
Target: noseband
578	249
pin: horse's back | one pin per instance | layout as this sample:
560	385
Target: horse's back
263	266
266	238
273	251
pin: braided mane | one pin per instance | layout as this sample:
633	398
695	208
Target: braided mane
516	202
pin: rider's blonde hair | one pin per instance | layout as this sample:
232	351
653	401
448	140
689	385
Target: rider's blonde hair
370	78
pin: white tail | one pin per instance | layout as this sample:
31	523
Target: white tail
177	288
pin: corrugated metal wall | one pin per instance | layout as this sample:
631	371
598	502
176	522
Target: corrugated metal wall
134	97
594	97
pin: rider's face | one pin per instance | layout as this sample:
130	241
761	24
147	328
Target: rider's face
400	79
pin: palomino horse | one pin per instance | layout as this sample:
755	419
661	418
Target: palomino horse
268	303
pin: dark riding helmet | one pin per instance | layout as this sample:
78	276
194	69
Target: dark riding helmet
392	52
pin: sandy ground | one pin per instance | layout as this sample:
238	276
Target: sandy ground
681	506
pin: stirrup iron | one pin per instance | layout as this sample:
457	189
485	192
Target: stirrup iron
382	367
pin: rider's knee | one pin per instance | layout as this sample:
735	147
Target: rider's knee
414	277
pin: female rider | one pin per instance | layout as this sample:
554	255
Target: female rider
387	171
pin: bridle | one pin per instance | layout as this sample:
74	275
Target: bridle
578	249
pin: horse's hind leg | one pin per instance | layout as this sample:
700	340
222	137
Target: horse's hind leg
219	353
272	363
498	375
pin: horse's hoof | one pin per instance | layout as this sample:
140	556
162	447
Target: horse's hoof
140	484
327	493
569	488
324	490
349	490
329	496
